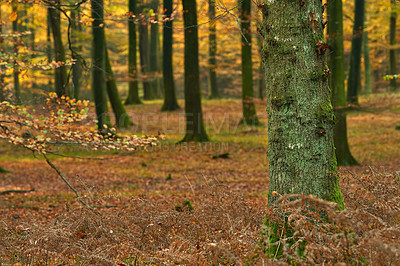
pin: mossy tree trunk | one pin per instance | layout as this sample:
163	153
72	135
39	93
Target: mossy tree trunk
392	55
249	109
212	52
300	115
336	81
354	79
15	51
60	72
121	117
155	52
77	47
133	93
195	130
99	65
148	93
49	50
170	102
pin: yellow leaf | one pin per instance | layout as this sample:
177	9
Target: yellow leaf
13	16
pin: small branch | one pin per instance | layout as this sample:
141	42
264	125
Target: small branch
69	185
6	192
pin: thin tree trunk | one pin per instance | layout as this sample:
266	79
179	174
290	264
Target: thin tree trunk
16	67
195	130
336	81
133	94
154	52
392	55
49	48
99	65
301	154
249	109
77	67
61	71
354	79
212	52
170	102
148	93
367	65
121	117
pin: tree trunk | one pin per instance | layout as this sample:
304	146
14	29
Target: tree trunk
99	65
77	67
144	58
354	79
194	117
249	109
261	80
121	117
367	65
212	52
16	67
49	47
154	52
392	55
301	153
336	81
133	94
170	102
60	72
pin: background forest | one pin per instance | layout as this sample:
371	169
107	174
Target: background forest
164	170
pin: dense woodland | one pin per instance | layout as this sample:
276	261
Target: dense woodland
199	132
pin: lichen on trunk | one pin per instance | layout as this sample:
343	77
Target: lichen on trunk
300	115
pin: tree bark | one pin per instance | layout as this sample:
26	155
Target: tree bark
61	71
2	69
261	81
148	93
212	52
16	67
133	94
49	49
99	65
77	67
392	53
121	117
354	80
195	130
336	81
154	52
300	115
249	109
170	102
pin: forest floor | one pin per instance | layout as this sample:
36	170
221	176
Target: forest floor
192	203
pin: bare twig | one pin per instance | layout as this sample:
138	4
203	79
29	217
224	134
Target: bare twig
6	192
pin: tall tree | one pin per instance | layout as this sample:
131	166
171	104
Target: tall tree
155	51
212	52
367	65
195	130
336	81
392	55
121	117
133	94
99	65
16	67
61	71
170	102
49	49
301	153
77	47
249	108
261	72
148	92
354	79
